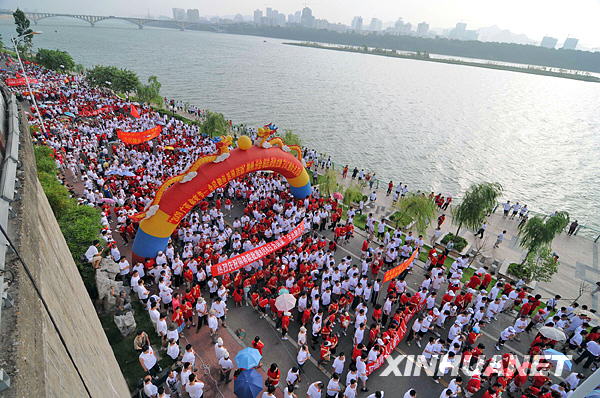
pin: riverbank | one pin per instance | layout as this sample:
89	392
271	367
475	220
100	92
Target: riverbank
423	56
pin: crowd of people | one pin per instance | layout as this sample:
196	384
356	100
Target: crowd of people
339	299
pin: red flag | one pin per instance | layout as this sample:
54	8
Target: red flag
134	112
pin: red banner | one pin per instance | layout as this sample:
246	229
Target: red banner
19	81
95	112
139	137
393	343
257	253
398	269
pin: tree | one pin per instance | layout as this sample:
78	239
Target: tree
353	194
120	80
479	201
23	29
55	59
540	265
421	209
328	184
538	232
150	92
214	124
1	43
291	138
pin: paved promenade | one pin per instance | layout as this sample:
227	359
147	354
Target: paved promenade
579	265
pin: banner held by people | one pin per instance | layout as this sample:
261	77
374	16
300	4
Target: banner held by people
257	253
139	137
397	270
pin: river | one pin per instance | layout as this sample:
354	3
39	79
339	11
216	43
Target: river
436	127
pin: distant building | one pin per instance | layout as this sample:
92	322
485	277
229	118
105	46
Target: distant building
307	19
357	23
401	27
258	14
460	32
278	18
376	24
193	15
423	29
178	14
549	42
269	12
291	18
238	18
298	17
570	43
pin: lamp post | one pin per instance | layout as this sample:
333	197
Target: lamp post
31	96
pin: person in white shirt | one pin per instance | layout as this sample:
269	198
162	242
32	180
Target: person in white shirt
333	386
173	349
302	357
380	394
350	391
148	361
189	355
412	393
292	376
195	389
226	366
150	389
314	390
338	363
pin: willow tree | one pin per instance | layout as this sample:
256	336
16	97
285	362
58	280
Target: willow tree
421	209
291	138
478	202
353	194
214	125
539	233
328	182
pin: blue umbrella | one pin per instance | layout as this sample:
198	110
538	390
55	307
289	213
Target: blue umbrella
552	355
248	358
70	114
248	384
594	394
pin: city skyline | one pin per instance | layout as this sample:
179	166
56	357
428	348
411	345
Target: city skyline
517	17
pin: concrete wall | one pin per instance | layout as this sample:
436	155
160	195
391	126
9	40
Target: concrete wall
42	366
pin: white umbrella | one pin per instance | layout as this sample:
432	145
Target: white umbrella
285	302
593	316
553	333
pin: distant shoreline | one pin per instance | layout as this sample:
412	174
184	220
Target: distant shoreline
425	57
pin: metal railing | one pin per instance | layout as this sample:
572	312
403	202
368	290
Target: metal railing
8	185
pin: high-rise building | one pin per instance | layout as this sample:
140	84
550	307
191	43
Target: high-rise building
298	17
549	42
258	14
307	18
193	15
357	23
376	24
460	32
269	13
422	29
570	43
178	14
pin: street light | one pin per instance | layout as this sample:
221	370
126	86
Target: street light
15	41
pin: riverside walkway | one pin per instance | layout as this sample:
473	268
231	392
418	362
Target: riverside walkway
579	268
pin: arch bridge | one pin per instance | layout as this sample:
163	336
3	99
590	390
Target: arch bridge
35	17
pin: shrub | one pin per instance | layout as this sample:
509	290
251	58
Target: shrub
80	225
459	242
353	194
517	270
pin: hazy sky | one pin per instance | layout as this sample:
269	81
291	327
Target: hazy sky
535	18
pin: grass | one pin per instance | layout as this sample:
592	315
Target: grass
122	347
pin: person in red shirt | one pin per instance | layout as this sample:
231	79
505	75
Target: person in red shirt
473	386
273	375
474	282
258	344
285	324
325	352
377	313
487	278
364	248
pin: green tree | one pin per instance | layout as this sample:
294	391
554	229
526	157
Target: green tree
353	194
55	59
291	138
120	80
214	124
328	182
538	232
479	201
421	209
539	265
150	92
1	43
22	26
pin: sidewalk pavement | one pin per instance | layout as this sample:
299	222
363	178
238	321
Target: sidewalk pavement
579	266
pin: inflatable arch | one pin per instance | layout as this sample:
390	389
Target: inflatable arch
178	195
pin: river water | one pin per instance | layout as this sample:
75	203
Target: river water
433	126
